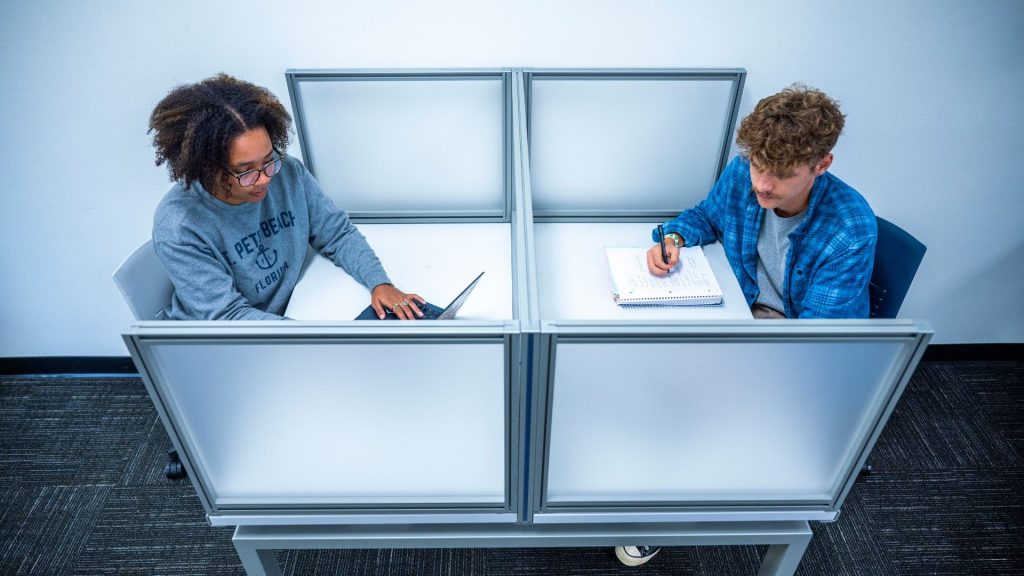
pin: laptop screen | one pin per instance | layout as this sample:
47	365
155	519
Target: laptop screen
453	308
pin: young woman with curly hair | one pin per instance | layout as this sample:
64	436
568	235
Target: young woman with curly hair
234	229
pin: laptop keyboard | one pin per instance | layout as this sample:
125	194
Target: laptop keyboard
430	312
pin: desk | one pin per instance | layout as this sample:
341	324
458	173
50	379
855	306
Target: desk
572	273
786	540
545	415
434	261
574	282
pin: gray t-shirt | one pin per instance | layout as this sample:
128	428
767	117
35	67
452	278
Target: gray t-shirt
772	249
241	262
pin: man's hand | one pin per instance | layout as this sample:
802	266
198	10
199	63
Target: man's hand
656	265
385	299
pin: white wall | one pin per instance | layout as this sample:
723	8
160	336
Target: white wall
932	90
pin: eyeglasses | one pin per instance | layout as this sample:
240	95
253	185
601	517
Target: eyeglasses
250	177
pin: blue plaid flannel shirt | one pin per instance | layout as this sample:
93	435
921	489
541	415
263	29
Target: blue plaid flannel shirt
831	253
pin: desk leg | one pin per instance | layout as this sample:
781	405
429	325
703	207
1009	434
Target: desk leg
783	559
255	561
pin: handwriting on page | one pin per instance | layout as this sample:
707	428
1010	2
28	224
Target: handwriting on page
691	282
684	276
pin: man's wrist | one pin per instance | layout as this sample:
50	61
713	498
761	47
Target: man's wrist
676	239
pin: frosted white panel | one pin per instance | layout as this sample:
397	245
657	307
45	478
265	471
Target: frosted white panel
414	146
625	145
712	421
294	423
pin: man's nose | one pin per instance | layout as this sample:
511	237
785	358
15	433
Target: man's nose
764	183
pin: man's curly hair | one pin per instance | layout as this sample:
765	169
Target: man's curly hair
795	127
194	125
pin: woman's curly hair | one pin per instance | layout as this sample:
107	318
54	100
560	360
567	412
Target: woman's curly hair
795	127
194	125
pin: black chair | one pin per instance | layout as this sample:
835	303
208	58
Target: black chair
897	257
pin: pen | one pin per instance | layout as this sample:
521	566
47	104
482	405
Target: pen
661	240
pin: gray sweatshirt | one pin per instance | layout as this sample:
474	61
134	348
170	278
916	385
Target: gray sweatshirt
242	262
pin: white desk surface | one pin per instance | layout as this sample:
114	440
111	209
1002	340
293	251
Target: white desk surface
435	261
574	282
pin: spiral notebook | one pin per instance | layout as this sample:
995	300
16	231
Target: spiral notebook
691	282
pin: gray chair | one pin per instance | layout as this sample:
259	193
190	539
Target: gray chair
144	284
147	289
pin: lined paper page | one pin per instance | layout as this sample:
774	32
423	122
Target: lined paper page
690	282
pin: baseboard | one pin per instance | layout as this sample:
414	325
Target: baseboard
973	352
67	365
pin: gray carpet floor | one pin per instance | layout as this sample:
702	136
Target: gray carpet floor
83	493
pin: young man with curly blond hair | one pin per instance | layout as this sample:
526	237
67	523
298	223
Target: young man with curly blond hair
800	241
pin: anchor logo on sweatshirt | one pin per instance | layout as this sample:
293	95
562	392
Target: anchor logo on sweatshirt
263	260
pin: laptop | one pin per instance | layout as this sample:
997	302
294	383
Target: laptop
430	311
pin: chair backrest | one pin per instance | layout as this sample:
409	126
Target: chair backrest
144	283
897	257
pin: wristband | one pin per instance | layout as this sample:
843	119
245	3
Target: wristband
676	239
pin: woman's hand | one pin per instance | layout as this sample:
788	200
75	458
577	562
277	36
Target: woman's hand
386	299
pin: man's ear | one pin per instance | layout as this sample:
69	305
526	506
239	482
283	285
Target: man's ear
823	165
